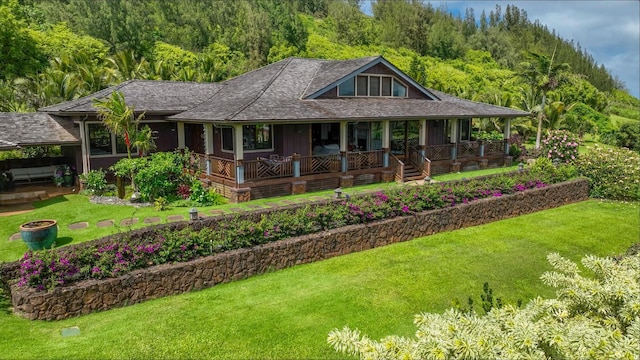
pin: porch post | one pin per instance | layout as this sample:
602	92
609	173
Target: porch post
422	138
386	142
344	145
86	164
507	135
454	139
238	152
181	143
296	164
208	144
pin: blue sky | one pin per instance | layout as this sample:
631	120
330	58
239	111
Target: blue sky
609	30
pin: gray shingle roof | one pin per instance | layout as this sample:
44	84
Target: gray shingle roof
277	93
36	128
149	96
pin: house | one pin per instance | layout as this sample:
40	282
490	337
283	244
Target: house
297	125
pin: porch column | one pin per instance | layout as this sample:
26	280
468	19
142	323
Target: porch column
181	142
386	142
454	138
86	164
296	164
422	138
507	135
208	144
344	145
238	153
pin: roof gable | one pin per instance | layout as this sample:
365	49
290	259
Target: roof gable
336	72
36	128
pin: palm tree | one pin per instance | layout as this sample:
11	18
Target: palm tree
543	76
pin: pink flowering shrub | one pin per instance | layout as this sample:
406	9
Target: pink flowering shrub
561	146
47	269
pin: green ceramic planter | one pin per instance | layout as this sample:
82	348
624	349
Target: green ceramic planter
39	234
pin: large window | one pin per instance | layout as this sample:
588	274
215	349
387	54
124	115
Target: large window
254	137
465	129
103	142
372	85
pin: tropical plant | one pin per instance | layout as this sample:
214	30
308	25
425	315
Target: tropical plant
94	182
542	75
592	317
561	146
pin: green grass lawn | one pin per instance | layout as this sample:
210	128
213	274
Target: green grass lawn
288	313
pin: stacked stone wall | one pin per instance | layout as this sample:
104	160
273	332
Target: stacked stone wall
170	279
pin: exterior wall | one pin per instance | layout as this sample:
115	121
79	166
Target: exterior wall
170	279
292	139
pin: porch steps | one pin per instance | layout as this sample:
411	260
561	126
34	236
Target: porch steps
412	174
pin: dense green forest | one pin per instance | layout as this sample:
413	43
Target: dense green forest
56	50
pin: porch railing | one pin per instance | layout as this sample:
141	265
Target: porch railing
212	165
268	169
438	152
494	147
365	159
319	164
468	149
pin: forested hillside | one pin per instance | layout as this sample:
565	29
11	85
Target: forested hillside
55	50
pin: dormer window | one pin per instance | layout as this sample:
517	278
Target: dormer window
373	85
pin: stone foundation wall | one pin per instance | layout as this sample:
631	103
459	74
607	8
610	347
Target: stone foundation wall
169	279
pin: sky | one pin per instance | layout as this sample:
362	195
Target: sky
608	29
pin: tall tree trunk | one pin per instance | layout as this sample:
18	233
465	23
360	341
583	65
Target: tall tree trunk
539	134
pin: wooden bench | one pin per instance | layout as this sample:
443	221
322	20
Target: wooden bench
31	174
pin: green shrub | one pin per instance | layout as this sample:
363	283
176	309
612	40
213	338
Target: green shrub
94	182
629	136
206	197
160	175
613	173
592	317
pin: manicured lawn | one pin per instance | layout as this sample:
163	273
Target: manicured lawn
288	314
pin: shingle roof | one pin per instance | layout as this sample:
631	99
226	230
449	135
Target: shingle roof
149	96
35	128
279	92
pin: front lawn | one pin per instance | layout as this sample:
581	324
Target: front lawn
288	313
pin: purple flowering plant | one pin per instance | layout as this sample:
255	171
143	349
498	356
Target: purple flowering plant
45	270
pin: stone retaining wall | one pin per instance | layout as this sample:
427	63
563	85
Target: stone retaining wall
169	279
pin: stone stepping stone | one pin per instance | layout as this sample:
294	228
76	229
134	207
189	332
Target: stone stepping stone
15	237
128	222
255	206
237	209
289	202
79	225
273	204
171	218
152	220
104	223
216	212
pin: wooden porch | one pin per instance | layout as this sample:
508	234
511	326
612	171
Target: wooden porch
284	175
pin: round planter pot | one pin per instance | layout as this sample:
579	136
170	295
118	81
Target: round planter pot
39	234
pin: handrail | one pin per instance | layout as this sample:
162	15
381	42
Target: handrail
420	162
398	165
213	165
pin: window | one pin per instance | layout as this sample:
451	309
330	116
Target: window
465	129
347	88
102	142
254	137
372	85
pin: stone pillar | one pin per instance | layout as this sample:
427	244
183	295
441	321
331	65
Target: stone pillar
346	181
298	187
388	176
295	158
484	163
239	195
455	167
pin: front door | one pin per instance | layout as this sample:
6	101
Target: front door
405	136
194	137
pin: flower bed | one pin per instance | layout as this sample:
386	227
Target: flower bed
241	257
